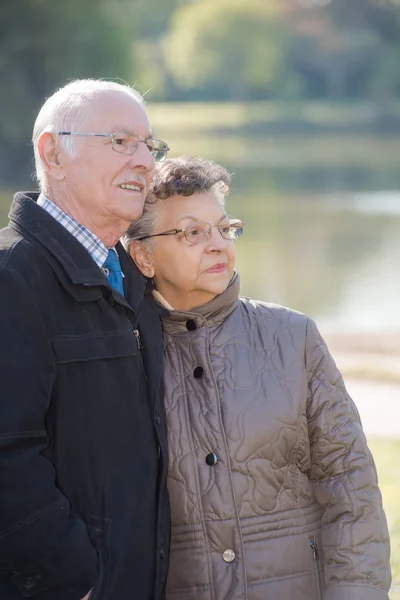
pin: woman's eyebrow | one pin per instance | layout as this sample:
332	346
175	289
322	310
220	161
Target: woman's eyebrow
197	220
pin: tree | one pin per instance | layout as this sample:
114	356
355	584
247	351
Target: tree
234	49
43	44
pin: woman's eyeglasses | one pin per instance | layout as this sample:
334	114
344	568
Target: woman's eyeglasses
201	232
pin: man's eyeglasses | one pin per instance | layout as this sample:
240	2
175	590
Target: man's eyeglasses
201	232
127	143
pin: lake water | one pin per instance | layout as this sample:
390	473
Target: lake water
322	223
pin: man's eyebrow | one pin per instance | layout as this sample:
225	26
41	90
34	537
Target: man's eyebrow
123	129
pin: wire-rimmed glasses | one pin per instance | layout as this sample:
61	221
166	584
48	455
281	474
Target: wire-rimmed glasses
201	232
127	143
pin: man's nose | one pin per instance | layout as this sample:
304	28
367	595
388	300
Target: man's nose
142	159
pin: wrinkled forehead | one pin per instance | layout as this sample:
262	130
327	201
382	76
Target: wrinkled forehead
186	210
116	111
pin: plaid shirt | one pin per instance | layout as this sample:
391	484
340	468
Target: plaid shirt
97	250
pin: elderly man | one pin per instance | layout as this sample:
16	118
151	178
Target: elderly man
83	503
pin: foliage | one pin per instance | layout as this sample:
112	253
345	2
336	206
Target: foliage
42	45
232	47
201	50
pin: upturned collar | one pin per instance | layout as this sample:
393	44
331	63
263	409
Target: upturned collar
211	313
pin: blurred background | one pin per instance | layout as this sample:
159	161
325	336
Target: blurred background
300	99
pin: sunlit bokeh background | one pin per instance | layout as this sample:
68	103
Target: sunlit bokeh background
300	99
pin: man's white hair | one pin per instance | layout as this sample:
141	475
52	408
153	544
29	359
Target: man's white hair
66	110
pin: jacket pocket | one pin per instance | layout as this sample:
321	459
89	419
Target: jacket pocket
99	533
316	568
88	347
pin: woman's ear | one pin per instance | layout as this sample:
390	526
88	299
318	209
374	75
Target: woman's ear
142	258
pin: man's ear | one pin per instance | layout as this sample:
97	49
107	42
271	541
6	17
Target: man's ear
142	258
50	156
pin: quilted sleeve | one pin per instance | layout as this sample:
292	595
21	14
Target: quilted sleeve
355	539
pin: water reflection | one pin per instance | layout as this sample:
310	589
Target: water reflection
323	239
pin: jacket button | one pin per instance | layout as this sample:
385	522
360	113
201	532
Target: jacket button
211	459
29	583
191	325
198	372
229	556
111	300
162	551
157	417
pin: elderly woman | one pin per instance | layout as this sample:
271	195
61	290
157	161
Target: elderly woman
273	490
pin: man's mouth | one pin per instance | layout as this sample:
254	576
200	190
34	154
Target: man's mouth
131	186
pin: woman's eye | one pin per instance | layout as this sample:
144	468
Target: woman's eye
193	233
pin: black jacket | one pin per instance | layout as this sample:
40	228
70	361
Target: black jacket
83	450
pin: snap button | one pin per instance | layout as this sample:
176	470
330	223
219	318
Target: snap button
198	372
157	417
191	325
229	556
162	551
211	459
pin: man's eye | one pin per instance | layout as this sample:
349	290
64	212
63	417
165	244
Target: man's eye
119	141
150	145
226	229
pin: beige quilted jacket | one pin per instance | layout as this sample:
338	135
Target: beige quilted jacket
274	493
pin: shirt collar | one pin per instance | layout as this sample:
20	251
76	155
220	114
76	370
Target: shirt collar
97	250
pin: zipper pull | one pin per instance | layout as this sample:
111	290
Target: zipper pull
314	548
138	340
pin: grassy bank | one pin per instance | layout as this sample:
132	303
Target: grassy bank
290	117
276	135
387	458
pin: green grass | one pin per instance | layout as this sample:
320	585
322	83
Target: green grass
5	203
261	133
203	116
386	453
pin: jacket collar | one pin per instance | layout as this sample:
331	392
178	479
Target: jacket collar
31	221
211	313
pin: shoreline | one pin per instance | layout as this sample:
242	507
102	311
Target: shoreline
370	365
373	357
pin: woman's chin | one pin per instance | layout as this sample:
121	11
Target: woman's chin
219	287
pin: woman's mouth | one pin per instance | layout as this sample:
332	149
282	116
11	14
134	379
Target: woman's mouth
218	268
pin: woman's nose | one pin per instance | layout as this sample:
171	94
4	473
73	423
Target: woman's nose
216	241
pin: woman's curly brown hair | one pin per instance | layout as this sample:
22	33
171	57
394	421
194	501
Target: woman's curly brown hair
183	176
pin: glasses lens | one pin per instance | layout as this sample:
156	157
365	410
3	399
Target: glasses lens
125	143
232	230
159	149
198	233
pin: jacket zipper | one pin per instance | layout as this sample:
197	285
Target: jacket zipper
317	573
138	339
99	579
139	344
